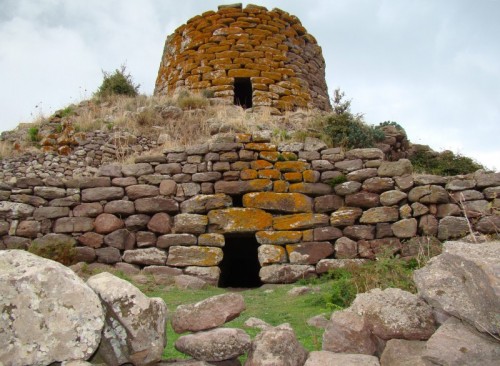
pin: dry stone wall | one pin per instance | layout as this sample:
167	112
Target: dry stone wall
309	208
270	48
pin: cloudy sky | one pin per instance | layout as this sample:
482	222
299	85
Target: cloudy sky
431	65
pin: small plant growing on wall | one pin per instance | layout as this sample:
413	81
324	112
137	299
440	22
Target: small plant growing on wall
33	135
63	253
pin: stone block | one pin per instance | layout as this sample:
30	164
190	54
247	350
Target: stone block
183	256
278	202
239	220
309	253
299	221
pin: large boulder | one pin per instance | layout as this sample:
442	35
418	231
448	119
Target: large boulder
48	313
394	313
456	343
135	324
464	281
400	352
276	346
215	345
207	314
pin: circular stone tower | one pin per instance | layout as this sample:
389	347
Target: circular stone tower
250	56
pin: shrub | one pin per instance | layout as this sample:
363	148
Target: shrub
349	130
343	290
118	83
33	134
445	163
191	101
61	252
65	112
391	123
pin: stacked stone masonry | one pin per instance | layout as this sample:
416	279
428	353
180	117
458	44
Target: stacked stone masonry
270	48
174	212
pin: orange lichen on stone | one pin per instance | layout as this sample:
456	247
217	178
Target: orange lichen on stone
271	156
278	237
280	202
280	186
292	166
311	176
299	221
183	256
261	164
239	220
248	174
262	146
293	177
272	174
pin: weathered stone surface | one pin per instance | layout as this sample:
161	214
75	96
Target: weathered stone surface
239	220
477	208
88	210
346	248
400	352
362	174
169	240
312	189
299	221
464	282
137	222
38	296
73	224
322	358
427	179
42	213
183	256
120	239
102	194
348	332
326	233
201	204
15	210
277	346
190	223
91	239
151	205
309	253
211	240
391	198
148	256
488	224
292	166
187	282
136	170
28	229
120	207
279	202
346	188
366	153
160	223
428	194
108	255
379	214
215	345
394	313
49	193
345	216
269	254
395	168
110	170
207	177
378	184
349	165
25	198
285	273
106	223
452	227
428	246
404	229
362	199
489	193
210	275
135	324
328	203
207	314
448	209
373	248
141	191
278	237
55	240
487	179
358	232
454	343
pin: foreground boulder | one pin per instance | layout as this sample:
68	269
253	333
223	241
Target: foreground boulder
208	314
135	324
400	352
464	281
456	343
214	345
394	313
278	347
48	313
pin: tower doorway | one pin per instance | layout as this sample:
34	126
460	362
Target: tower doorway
243	92
240	265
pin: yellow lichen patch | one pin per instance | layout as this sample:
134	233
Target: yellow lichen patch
257	185
271	156
293	177
278	237
280	202
311	176
299	221
239	220
243	137
269	254
280	186
292	166
261	164
272	174
261	146
183	256
308	235
248	174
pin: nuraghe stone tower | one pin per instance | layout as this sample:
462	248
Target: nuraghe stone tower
250	56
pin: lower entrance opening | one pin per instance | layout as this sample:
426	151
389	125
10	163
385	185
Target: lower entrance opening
243	92
240	265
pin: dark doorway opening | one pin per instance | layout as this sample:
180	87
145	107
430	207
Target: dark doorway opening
243	92
240	265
